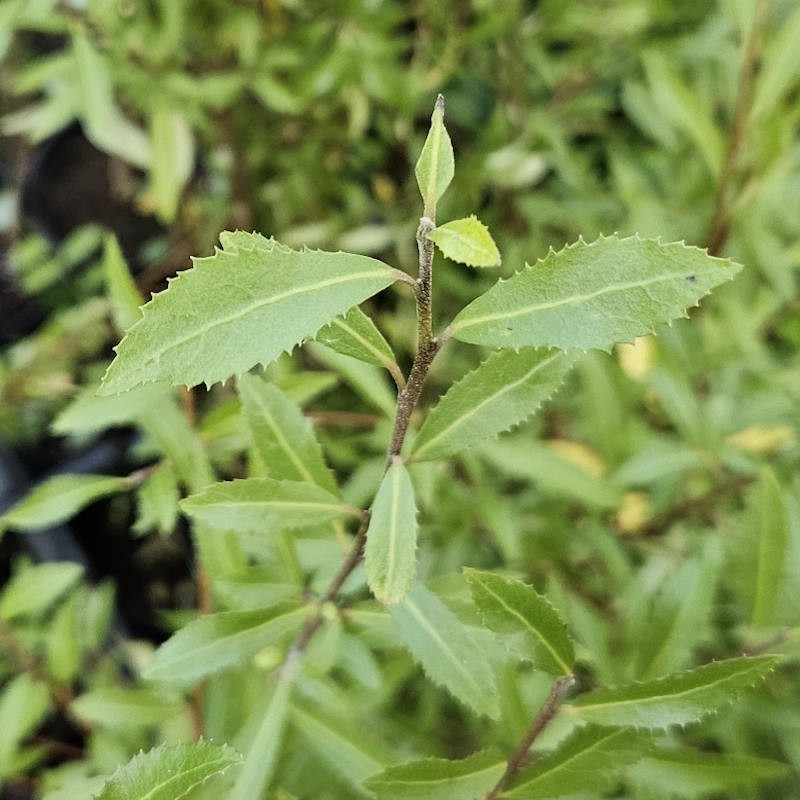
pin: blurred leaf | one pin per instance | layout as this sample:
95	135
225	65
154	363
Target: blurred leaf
24	703
33	589
172	146
125	297
114	707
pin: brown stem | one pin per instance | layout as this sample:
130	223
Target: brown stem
720	226
517	760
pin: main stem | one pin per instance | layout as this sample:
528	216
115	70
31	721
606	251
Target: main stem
427	348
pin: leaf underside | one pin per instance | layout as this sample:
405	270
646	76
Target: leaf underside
243	306
592	295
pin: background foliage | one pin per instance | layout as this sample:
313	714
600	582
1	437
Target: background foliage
654	502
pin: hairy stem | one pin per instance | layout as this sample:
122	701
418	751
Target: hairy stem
517	760
720	226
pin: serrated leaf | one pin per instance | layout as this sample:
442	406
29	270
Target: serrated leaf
216	641
391	548
355	335
168	772
237	309
262	505
592	295
436	165
509	606
439	779
676	699
32	590
587	760
282	436
687	773
58	499
503	391
116	707
758	550
446	650
466	241
125	297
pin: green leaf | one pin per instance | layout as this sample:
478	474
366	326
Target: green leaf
508	606
282	436
446	650
259	762
390	552
113	707
466	241
157	501
686	773
168	772
592	295
32	590
264	505
58	499
439	779
758	550
216	641
125	297
436	165
355	335
503	391
676	699
587	761
172	145
24	704
237	309
779	68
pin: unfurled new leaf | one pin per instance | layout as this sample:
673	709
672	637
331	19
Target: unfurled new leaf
355	335
168	772
265	505
675	699
446	650
436	165
390	552
503	391
439	779
282	436
238	308
586	761
592	295
510	607
216	641
466	241
58	499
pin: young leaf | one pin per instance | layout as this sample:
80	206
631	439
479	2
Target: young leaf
125	297
261	505
509	606
436	165
587	761
446	650
675	699
390	552
168	772
59	498
503	391
687	773
439	779
466	241
759	550
216	641
282	435
355	335
237	309
592	295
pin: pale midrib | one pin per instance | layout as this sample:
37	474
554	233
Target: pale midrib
242	312
566	762
513	612
434	634
365	343
672	695
200	769
565	301
490	399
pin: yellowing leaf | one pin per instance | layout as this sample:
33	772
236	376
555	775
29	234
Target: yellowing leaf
467	241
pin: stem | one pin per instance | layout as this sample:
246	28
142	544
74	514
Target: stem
517	760
720	226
